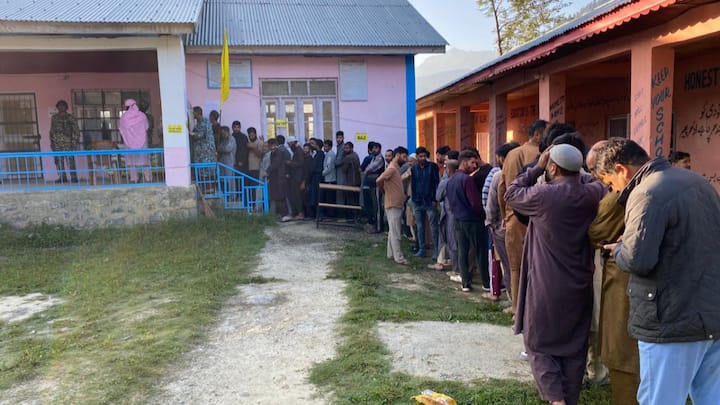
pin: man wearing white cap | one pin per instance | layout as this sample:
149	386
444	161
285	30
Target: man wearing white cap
555	296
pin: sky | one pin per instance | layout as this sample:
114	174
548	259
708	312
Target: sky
462	24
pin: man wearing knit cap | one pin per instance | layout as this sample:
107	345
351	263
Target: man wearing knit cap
555	295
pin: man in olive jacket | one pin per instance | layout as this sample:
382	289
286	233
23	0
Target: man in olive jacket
671	249
618	350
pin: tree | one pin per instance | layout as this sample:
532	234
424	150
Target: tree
520	21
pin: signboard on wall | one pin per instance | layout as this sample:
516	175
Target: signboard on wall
174	129
353	81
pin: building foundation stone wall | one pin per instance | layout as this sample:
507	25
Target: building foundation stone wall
98	208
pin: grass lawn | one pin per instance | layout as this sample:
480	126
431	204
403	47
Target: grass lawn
134	300
361	372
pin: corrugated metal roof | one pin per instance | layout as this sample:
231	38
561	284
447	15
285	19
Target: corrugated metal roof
309	23
569	26
101	11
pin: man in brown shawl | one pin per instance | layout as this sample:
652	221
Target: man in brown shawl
514	229
555	295
619	351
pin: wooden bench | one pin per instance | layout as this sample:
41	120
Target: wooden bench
104	165
355	208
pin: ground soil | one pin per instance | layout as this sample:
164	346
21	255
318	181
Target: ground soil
269	335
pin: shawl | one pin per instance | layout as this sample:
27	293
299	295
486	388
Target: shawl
133	126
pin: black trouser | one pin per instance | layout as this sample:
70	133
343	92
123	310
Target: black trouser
296	195
368	205
471	235
313	194
60	164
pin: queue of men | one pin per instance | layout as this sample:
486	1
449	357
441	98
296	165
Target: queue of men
610	259
603	239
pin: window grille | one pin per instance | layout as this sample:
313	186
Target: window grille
19	133
97	112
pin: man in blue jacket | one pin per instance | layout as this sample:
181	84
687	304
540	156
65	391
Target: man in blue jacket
424	181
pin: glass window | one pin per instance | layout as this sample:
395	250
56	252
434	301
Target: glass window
328	118
270	118
114	98
18	123
299	88
302	116
274	88
290	117
322	88
618	126
309	119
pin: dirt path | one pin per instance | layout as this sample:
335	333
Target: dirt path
270	334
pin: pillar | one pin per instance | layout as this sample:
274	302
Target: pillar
173	96
551	100
464	127
498	123
410	102
651	106
438	127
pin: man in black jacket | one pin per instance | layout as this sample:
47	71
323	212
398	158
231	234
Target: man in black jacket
671	249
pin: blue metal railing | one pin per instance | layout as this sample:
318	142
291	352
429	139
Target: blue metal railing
238	190
38	171
25	171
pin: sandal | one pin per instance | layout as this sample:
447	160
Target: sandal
490	297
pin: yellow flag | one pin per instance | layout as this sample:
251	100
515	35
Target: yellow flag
224	71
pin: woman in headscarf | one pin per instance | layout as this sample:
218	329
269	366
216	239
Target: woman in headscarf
133	127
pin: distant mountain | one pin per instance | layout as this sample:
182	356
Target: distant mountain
438	70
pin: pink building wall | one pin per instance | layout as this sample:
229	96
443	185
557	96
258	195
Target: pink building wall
51	87
382	116
696	104
521	114
590	105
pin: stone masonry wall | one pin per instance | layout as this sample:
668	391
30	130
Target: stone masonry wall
98	208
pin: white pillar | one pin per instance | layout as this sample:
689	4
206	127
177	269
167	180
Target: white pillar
173	96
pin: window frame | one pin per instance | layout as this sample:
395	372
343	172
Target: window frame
243	81
353	81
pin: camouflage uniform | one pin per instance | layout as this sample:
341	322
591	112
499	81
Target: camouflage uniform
204	142
64	136
203	151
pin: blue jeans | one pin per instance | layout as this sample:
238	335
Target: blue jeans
671	371
422	211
